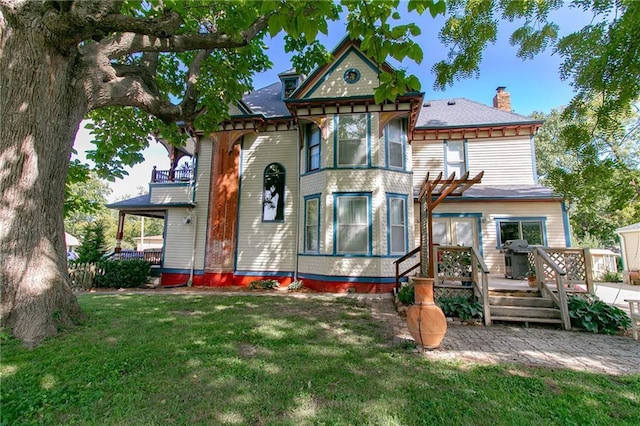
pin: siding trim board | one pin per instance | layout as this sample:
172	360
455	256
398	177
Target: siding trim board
287	274
240	175
336	256
357	168
349	279
567	225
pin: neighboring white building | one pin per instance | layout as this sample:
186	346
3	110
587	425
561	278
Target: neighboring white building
311	179
149	242
603	261
630	246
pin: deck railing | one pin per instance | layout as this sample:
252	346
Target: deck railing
403	259
546	267
454	264
179	175
153	256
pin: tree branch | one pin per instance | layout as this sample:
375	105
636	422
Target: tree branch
131	89
190	101
131	42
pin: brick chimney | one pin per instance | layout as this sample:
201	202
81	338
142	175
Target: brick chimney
502	99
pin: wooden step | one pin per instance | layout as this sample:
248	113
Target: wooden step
515	293
528	313
539	302
527	320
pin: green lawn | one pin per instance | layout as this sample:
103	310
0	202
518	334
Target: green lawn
208	359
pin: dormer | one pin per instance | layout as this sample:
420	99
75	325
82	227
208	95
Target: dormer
290	79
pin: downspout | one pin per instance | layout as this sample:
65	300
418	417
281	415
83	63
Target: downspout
295	270
192	216
194	222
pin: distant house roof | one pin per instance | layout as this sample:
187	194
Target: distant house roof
70	240
505	192
461	112
630	228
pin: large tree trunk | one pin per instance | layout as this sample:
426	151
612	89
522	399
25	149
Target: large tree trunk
41	106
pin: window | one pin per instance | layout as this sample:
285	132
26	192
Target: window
351	75
352	141
455	231
395	135
312	224
313	147
289	86
353	227
531	230
455	157
273	193
397	224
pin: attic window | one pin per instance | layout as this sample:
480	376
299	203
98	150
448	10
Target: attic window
451	103
351	75
289	86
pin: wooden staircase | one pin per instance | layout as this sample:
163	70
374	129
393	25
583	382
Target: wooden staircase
523	306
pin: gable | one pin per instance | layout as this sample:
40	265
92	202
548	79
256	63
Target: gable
351	74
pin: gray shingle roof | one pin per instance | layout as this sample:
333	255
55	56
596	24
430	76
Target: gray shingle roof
504	192
461	112
630	228
139	201
267	101
144	202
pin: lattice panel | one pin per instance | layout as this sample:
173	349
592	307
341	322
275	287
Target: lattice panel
452	292
573	262
454	265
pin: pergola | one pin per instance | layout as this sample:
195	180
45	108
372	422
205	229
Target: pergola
432	193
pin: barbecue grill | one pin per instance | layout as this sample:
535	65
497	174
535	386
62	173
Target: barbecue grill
516	258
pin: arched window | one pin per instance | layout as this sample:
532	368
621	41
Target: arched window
273	193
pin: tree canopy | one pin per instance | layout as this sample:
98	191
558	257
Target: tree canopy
595	170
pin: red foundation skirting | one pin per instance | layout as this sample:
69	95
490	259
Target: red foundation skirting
229	279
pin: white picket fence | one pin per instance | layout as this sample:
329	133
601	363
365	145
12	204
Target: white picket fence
82	275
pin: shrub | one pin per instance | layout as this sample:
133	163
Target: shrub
265	284
406	294
296	285
123	273
592	314
612	277
461	307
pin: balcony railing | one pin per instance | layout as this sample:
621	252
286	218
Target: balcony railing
179	175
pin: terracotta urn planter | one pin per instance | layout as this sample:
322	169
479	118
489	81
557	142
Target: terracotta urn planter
425	320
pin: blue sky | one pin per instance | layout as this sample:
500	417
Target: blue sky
534	85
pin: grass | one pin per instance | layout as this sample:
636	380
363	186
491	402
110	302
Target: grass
247	360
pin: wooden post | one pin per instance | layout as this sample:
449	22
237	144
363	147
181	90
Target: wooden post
119	232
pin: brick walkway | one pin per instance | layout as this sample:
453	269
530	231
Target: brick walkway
515	344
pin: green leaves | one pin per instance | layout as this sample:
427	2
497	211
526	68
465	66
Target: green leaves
394	85
596	316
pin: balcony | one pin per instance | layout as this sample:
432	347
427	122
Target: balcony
167	176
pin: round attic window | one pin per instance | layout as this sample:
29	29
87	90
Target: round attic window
351	75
